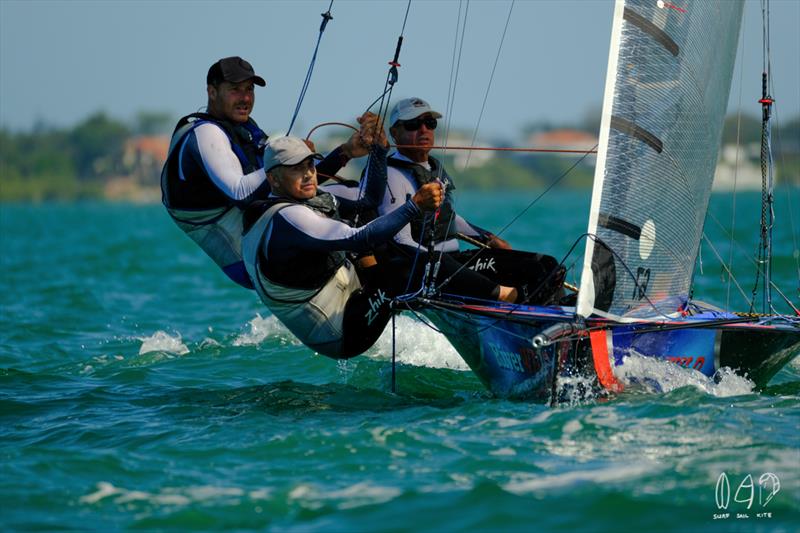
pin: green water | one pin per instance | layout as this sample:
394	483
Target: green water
139	389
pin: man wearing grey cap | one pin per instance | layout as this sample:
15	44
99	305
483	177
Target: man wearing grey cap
295	250
215	164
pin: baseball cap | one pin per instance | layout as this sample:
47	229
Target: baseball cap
409	108
233	69
286	151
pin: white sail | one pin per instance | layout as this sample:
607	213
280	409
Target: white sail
669	76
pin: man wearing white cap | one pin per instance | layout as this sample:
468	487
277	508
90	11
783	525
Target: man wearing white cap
215	168
498	273
295	245
413	123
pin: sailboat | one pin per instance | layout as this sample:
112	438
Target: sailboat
668	81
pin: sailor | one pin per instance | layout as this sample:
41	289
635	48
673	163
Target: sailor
413	126
215	164
295	250
493	273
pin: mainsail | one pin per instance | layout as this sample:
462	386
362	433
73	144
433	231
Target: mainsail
667	86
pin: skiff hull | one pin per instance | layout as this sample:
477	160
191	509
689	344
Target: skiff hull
498	345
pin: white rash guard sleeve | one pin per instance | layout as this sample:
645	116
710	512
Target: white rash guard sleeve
222	165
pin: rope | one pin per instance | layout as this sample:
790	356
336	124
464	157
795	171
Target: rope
504	149
482	148
326	17
315	128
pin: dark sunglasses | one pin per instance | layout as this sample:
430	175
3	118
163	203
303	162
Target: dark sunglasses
416	123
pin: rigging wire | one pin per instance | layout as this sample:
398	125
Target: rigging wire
795	250
433	264
455	67
393	75
792	224
749	257
489	85
523	211
391	78
326	17
729	267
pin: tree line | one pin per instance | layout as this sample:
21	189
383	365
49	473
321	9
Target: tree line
49	163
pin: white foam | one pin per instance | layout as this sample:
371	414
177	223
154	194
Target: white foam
669	376
572	426
417	345
209	343
612	474
104	490
573	391
161	341
503	452
357	495
171	496
261	328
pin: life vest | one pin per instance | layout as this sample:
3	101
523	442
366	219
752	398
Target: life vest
443	223
314	314
202	211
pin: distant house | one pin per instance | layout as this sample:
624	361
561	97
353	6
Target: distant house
738	167
463	159
143	158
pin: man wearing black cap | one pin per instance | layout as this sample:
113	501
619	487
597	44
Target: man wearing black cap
215	164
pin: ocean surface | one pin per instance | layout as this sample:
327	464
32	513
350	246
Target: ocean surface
139	389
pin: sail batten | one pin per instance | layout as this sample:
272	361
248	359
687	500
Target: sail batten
667	87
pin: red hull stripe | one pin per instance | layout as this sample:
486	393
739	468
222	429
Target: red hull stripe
602	365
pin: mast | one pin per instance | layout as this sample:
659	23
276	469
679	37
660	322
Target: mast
764	255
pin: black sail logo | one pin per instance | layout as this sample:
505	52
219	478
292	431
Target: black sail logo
642	280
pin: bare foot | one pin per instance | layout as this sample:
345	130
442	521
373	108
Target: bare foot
507	294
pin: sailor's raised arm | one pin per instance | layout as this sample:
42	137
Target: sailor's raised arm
358	145
297	226
355	199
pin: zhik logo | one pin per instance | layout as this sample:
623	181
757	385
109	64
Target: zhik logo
375	304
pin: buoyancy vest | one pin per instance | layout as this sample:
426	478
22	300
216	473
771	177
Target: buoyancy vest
442	224
314	314
305	269
202	211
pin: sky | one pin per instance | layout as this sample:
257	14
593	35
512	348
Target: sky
61	61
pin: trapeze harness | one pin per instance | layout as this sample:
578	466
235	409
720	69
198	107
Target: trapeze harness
313	309
444	225
207	215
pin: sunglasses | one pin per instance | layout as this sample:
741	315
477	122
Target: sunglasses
416	123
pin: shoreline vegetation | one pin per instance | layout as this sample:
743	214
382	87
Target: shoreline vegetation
105	158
